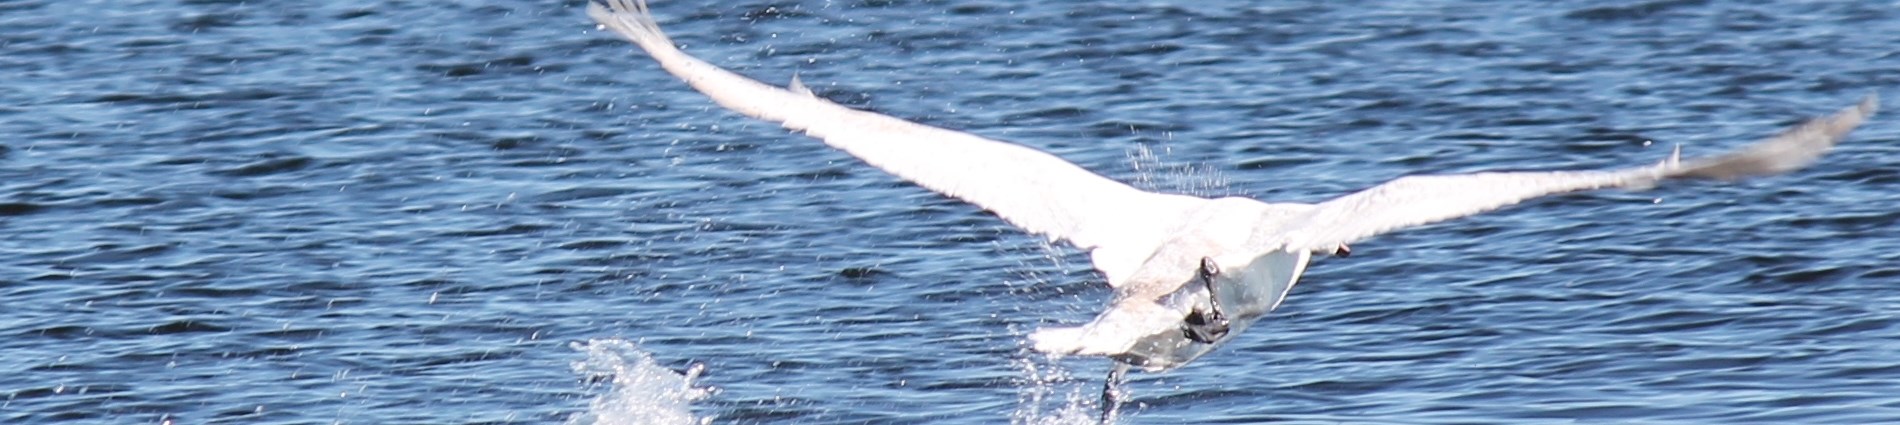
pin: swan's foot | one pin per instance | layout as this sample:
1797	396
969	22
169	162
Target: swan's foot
1112	392
1205	327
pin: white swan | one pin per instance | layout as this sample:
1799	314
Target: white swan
1188	272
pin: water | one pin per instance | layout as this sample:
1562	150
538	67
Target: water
424	212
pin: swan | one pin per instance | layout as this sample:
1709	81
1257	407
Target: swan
1188	273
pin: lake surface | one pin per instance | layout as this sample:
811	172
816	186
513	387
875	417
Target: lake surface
486	212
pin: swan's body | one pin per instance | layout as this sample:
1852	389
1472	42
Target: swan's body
1188	272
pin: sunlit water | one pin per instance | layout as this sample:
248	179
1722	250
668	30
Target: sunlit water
487	212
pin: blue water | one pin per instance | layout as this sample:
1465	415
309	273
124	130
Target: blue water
263	212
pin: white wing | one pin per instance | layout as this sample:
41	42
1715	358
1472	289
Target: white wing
1416	200
1028	188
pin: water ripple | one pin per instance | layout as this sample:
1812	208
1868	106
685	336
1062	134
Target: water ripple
323	212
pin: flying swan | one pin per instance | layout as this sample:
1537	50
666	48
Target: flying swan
1188	272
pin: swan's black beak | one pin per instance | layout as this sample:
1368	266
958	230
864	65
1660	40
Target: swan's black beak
1343	251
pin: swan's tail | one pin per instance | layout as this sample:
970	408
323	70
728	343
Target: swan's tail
632	20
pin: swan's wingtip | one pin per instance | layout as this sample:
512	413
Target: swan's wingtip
621	6
631	19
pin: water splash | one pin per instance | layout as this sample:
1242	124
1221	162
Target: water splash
1048	394
1155	172
643	392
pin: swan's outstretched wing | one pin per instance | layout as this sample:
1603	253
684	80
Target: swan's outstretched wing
1029	188
1416	200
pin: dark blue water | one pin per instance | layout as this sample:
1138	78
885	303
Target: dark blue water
268	212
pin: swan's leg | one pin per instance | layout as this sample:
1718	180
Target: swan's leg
1207	326
1112	392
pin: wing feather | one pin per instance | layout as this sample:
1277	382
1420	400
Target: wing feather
1031	189
1417	200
